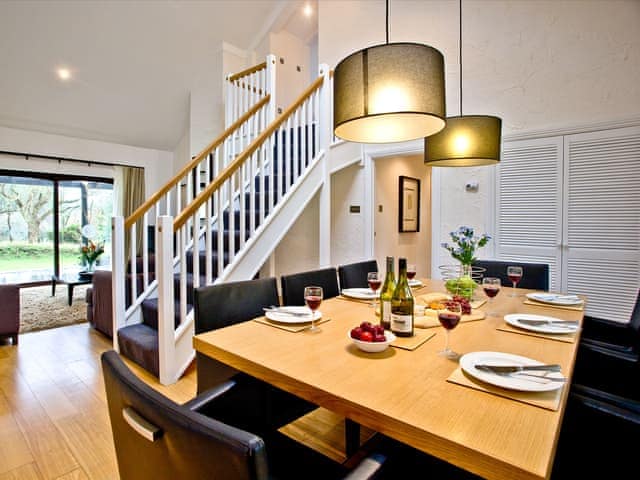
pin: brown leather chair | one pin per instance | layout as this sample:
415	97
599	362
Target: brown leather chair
10	315
158	439
99	307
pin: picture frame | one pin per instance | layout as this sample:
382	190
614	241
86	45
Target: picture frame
409	204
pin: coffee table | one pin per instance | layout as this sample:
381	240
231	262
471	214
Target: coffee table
71	280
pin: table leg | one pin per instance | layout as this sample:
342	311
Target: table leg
53	287
70	293
352	436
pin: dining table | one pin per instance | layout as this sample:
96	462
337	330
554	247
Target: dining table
410	394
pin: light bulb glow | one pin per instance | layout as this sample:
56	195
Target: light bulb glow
308	10
461	144
389	99
63	73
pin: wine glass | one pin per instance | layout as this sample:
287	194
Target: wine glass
313	299
411	272
449	317
375	280
515	275
491	287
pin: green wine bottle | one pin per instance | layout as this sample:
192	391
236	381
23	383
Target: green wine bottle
402	304
386	293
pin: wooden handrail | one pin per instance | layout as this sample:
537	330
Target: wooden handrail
248	71
202	197
135	216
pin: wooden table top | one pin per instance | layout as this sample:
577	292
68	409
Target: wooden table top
404	394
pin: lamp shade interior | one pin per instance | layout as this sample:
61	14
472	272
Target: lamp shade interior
389	93
468	140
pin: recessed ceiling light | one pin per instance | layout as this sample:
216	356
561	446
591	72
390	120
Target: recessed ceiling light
63	73
308	10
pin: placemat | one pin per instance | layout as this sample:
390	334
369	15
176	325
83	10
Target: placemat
565	337
546	400
411	343
429	321
298	327
579	308
357	300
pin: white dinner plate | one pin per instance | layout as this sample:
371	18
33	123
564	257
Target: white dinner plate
285	318
415	283
513	320
360	293
555	298
512	381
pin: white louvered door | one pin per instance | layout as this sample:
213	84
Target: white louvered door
602	231
529	203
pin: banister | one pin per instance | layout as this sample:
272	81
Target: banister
248	71
137	214
230	169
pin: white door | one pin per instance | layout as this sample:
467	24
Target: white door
529	204
602	232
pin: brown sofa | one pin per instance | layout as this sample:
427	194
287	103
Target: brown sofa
10	315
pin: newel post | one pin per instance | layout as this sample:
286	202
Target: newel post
166	316
118	275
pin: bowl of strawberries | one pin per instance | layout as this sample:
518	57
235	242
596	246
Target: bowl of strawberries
371	338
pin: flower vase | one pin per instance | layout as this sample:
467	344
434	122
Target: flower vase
91	266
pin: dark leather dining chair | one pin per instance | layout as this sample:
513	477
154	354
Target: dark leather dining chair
609	355
354	275
158	439
10	317
535	276
598	438
293	285
253	404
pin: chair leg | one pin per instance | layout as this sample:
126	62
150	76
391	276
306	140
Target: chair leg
14	339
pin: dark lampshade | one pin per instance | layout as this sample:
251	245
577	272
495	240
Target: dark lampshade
466	141
389	93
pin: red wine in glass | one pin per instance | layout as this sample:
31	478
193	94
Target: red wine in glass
374	284
491	291
313	299
411	272
449	320
375	280
313	302
515	275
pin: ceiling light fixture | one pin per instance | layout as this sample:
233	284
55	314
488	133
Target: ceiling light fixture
389	93
467	140
63	73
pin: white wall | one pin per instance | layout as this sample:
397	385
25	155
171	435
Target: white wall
158	164
537	64
347	229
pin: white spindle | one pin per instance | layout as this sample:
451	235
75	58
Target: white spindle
182	233
132	255
195	251
279	154
296	132
208	242
145	251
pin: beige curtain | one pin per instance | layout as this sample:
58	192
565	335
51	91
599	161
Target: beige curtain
133	195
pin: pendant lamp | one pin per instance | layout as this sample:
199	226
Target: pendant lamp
389	93
467	140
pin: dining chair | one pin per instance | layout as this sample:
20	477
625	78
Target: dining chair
253	404
354	275
598	438
10	318
535	276
293	285
156	438
609	354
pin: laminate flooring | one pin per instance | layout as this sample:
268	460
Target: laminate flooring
54	422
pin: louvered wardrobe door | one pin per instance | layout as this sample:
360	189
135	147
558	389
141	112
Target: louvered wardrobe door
529	202
602	231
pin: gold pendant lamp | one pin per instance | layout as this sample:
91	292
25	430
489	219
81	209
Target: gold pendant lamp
389	93
467	140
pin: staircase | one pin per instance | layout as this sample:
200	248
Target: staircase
238	198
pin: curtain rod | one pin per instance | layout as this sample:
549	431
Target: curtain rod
65	159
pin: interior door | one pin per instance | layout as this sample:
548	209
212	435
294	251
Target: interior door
602	231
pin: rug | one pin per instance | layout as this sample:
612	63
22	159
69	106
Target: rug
39	310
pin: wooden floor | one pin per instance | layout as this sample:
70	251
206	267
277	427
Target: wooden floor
54	422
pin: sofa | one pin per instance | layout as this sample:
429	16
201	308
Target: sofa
99	296
10	317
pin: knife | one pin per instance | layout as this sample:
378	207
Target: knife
517	368
559	323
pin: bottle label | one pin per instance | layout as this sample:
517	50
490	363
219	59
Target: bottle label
401	323
386	312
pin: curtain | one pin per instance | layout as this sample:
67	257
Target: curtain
133	195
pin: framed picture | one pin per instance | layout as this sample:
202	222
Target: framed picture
409	198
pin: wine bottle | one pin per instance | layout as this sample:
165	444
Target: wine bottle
386	293
402	304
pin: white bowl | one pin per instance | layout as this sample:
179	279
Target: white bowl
373	347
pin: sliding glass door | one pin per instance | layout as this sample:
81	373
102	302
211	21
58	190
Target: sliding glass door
41	221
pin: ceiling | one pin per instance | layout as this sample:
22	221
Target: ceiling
132	63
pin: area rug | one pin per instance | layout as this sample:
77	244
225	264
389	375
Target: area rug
39	310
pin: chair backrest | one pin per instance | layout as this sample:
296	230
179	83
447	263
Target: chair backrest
534	275
157	439
293	285
10	301
354	275
224	304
